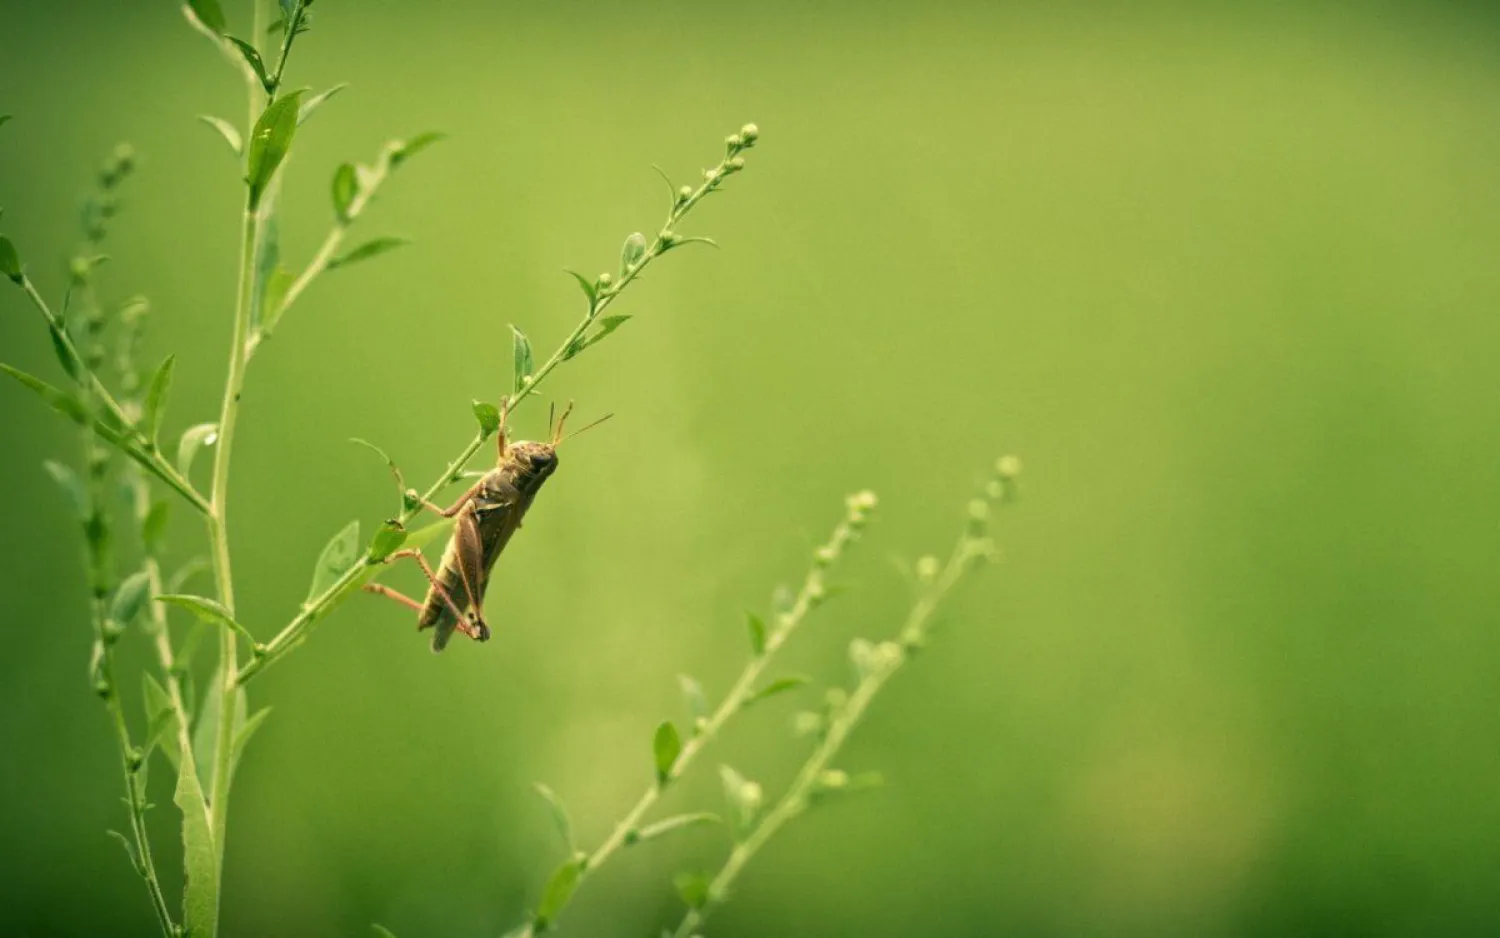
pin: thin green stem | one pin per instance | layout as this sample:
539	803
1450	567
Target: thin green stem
811	594
289	30
888	658
362	572
131	442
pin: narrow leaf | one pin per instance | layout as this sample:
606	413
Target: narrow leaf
10	261
154	524
631	252
269	143
193	439
692	692
372	248
207	610
72	487
244	733
675	823
558	891
778	686
227	131
206	726
200	899
253	59
488	416
130	597
345	188
666	747
208	14
403	150
156	398
60	401
521	353
560	818
340	553
317	101
158	702
757	628
278	282
587	285
129	850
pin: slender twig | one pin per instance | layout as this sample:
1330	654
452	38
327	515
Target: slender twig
290	27
605	292
883	663
813	591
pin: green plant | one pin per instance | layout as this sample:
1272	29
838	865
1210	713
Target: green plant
201	737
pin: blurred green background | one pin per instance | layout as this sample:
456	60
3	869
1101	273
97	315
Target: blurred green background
1225	275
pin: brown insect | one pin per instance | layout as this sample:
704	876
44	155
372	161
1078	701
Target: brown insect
488	514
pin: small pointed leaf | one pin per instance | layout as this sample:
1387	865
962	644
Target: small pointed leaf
340	553
208	14
587	285
72	487
558	891
207	610
388	539
193	439
156	398
154	524
402	150
253	59
488	416
243	734
560	818
675	823
227	131
692	888
317	101
666	747
270	142
781	685
278	283
372	248
60	401
10	261
129	850
757	628
631	252
521	353
130	597
345	189
692	692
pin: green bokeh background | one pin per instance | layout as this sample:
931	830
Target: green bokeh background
1227	276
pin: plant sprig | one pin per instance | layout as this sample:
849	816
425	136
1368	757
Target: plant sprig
601	292
874	666
672	757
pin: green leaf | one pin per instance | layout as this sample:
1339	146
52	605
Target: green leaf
606	325
207	610
154	524
693	888
129	597
245	731
3	119
345	189
200	899
557	892
72	487
158	702
560	818
381	931
697	704
372	248
757	628
227	131
387	541
402	150
208	14
666	747
206	726
270	142
129	850
743	795
587	285
488	416
10	261
339	554
521	353
278	283
60	401
253	59
156	398
317	101
193	439
778	686
674	823
631	252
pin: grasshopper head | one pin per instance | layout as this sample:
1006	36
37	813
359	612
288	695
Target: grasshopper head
534	462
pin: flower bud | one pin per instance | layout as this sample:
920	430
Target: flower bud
749	133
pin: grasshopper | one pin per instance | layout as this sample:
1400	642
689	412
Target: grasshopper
488	514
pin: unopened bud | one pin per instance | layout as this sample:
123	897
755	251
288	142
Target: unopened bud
749	133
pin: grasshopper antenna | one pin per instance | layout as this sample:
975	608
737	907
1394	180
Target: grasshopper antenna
581	430
557	432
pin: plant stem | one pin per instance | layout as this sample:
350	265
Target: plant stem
809	597
808	783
